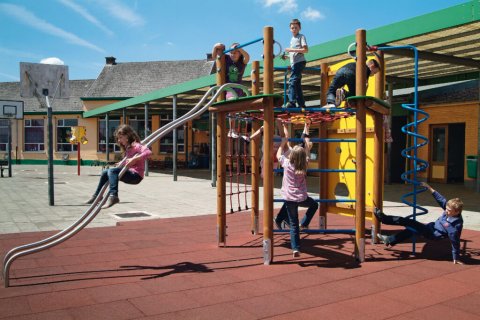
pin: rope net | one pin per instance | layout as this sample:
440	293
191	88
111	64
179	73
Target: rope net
238	162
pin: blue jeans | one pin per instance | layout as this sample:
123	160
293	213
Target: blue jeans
342	77
295	93
111	175
292	211
412	227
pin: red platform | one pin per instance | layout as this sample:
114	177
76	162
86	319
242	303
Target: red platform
173	269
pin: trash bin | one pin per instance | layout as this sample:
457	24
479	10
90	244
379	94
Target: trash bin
472	166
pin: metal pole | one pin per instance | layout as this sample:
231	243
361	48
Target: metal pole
145	128
78	158
174	155
107	138
9	146
51	197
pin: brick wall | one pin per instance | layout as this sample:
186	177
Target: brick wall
463	112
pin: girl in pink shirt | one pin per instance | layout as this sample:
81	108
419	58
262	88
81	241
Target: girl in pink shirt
135	156
294	188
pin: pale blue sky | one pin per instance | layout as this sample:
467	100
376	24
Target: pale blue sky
82	33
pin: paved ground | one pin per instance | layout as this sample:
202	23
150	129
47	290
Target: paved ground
25	206
171	268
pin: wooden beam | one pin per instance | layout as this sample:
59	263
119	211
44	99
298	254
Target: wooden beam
425	55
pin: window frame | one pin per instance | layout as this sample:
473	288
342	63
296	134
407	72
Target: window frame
40	145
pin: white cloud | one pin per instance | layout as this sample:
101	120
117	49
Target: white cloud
122	12
312	14
284	5
24	16
53	60
85	14
171	44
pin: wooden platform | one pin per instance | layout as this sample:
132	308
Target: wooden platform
173	269
372	103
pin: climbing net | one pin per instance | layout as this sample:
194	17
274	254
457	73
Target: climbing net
238	161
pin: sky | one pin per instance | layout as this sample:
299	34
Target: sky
81	33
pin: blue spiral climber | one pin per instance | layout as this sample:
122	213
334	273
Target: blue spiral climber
418	141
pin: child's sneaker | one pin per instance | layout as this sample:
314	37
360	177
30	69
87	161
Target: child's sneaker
232	134
289	105
296	254
112	200
339	96
328	106
246	138
384	239
91	200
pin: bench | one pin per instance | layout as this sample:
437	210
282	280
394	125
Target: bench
3	166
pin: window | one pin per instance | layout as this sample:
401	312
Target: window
64	133
166	143
112	142
138	124
34	135
4	134
439	144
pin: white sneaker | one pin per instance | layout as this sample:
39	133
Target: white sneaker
232	134
246	138
328	106
296	254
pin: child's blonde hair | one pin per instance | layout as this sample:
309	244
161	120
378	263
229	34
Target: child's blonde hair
456	204
298	158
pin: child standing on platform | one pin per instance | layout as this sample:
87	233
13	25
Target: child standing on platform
298	47
294	188
135	155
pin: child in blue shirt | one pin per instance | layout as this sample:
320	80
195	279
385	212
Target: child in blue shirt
449	224
298	47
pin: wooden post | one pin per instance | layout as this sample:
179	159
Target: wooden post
323	149
378	167
221	163
268	128
361	148
255	153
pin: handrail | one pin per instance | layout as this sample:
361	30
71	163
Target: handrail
100	200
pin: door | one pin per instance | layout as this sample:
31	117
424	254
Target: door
438	153
456	153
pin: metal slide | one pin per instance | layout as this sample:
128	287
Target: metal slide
96	206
